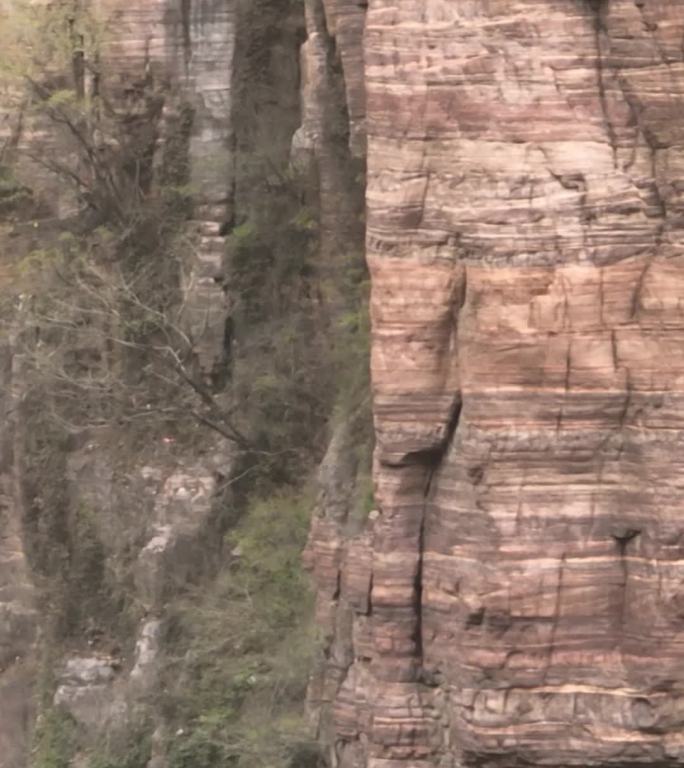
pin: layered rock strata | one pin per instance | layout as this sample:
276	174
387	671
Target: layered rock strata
520	603
515	598
182	52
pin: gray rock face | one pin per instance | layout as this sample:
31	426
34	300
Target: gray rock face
144	674
183	55
187	50
18	612
174	553
104	698
85	691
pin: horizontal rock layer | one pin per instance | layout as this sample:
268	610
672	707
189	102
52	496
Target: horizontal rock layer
525	241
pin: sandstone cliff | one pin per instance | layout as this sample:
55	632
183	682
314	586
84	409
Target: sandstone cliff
515	600
511	594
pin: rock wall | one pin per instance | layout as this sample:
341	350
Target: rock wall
516	596
18	605
103	527
161	63
183	52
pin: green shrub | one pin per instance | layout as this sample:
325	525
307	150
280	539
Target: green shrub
133	753
199	750
241	649
54	740
13	194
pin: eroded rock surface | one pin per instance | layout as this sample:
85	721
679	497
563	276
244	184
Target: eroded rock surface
525	245
183	53
19	617
515	597
165	69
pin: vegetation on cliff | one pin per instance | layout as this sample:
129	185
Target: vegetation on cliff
111	385
240	652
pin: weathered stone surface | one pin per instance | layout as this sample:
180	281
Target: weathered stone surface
332	132
145	673
18	611
163	62
85	691
525	245
173	553
184	52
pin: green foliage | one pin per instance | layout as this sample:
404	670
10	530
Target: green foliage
243	236
269	542
303	327
305	220
86	585
280	370
177	199
12	193
270	254
243	648
199	750
364	490
282	743
62	98
352	348
135	752
54	740
35	38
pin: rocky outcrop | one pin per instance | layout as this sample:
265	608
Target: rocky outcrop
18	603
524	240
109	692
332	133
182	52
514	596
165	73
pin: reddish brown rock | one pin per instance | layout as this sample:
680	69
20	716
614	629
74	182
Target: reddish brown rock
525	169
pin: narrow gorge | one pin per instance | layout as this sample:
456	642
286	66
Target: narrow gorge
341	364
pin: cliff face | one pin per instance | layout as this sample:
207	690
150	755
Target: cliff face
106	521
516	598
18	616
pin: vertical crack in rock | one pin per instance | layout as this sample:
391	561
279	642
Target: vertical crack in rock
434	460
656	205
598	8
622	541
557	616
327	133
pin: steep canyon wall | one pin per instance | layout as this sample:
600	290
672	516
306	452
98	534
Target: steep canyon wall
514	597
